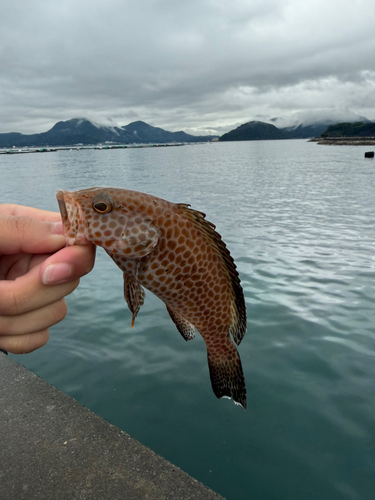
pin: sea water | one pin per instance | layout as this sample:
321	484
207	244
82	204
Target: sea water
298	219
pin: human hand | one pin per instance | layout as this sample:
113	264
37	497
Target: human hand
36	272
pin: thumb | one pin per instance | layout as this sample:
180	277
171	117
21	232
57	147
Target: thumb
29	235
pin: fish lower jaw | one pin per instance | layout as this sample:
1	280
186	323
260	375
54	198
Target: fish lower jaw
78	239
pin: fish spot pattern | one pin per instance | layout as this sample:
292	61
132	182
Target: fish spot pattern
174	252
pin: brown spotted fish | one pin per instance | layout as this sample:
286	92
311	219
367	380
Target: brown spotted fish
174	252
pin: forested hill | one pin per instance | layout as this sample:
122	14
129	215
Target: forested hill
346	129
255	131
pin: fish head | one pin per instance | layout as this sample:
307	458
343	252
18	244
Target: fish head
104	216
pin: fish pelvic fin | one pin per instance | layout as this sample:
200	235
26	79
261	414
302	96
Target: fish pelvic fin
227	377
134	294
238	327
183	326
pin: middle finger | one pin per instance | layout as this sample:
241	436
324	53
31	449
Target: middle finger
28	293
33	321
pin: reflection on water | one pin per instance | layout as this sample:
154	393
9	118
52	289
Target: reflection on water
299	221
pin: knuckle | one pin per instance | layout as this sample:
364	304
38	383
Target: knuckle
21	225
9	208
10	303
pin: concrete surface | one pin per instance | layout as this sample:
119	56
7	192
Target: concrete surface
51	447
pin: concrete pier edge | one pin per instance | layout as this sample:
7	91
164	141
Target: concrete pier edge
52	447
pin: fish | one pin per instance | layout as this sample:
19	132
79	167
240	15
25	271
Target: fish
175	253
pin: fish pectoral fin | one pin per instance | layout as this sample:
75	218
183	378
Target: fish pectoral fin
183	326
138	239
134	294
226	375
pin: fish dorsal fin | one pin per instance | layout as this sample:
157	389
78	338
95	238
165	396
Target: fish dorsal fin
237	330
183	326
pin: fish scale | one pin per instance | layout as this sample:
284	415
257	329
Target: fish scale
174	252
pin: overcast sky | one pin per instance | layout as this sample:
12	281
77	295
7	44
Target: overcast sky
203	66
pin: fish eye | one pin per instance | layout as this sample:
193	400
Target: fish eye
102	205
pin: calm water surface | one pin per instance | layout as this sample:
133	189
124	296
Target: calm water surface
299	221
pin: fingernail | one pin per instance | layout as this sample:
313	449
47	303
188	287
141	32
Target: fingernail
54	274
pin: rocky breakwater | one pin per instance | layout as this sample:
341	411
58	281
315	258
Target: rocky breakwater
345	141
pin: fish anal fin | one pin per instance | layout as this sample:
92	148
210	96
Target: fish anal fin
183	326
134	294
226	375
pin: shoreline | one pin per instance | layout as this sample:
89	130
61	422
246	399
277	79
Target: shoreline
344	141
48	149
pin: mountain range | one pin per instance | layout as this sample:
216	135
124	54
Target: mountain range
82	131
258	131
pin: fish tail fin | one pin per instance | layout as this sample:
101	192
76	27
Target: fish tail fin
226	375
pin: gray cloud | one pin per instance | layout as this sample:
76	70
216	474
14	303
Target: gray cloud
199	65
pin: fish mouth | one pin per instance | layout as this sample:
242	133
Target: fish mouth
62	206
63	211
70	211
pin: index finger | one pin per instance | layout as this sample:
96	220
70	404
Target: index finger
19	234
23	211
